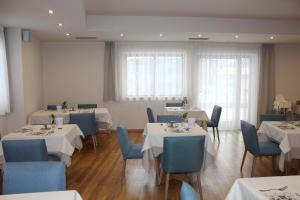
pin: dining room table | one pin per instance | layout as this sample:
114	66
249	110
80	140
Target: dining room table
56	195
102	115
154	134
59	141
192	112
265	188
286	134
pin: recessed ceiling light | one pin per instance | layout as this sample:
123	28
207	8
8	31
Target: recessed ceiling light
122	34
68	34
50	12
60	24
160	35
271	37
236	36
199	35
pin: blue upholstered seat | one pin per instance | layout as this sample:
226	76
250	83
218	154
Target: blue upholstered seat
174	104
187	192
128	149
87	124
25	177
26	151
182	155
255	147
169	118
214	120
86	106
51	107
271	117
150	115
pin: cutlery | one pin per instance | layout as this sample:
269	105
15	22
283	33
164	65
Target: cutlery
279	189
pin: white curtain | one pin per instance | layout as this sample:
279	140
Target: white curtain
151	71
4	86
227	75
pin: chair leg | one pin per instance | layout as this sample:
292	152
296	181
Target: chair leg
243	161
94	142
123	170
157	169
253	166
199	186
213	131
167	185
218	134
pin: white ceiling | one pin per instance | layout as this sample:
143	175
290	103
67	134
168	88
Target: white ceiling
253	21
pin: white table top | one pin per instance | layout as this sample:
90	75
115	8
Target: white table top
192	112
286	133
249	188
61	195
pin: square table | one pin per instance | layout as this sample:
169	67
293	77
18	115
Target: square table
58	141
59	195
102	115
255	188
154	134
197	113
287	134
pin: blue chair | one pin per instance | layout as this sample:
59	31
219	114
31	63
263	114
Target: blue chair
187	192
86	106
169	118
128	149
174	104
270	117
182	155
214	120
257	149
150	115
87	124
51	107
26	151
27	177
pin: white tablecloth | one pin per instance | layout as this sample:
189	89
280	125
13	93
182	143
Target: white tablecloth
192	112
62	142
249	188
154	134
286	134
61	195
43	116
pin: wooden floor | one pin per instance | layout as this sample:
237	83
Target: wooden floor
97	175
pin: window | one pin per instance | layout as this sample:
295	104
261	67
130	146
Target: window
154	76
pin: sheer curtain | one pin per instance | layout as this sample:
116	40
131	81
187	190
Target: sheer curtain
151	71
227	75
4	87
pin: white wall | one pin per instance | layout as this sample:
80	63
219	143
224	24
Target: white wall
287	73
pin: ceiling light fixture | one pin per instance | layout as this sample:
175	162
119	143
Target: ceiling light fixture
199	35
60	24
122	34
236	36
271	37
50	12
68	34
160	35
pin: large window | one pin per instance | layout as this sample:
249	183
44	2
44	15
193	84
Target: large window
4	88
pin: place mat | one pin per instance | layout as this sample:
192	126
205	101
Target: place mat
278	195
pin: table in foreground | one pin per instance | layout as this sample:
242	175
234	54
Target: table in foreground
60	195
58	141
264	188
287	134
43	116
154	134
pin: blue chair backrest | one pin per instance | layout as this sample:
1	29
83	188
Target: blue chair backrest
86	122
174	104
169	118
25	150
150	115
183	154
250	137
123	139
51	107
187	192
216	114
86	106
267	117
27	177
